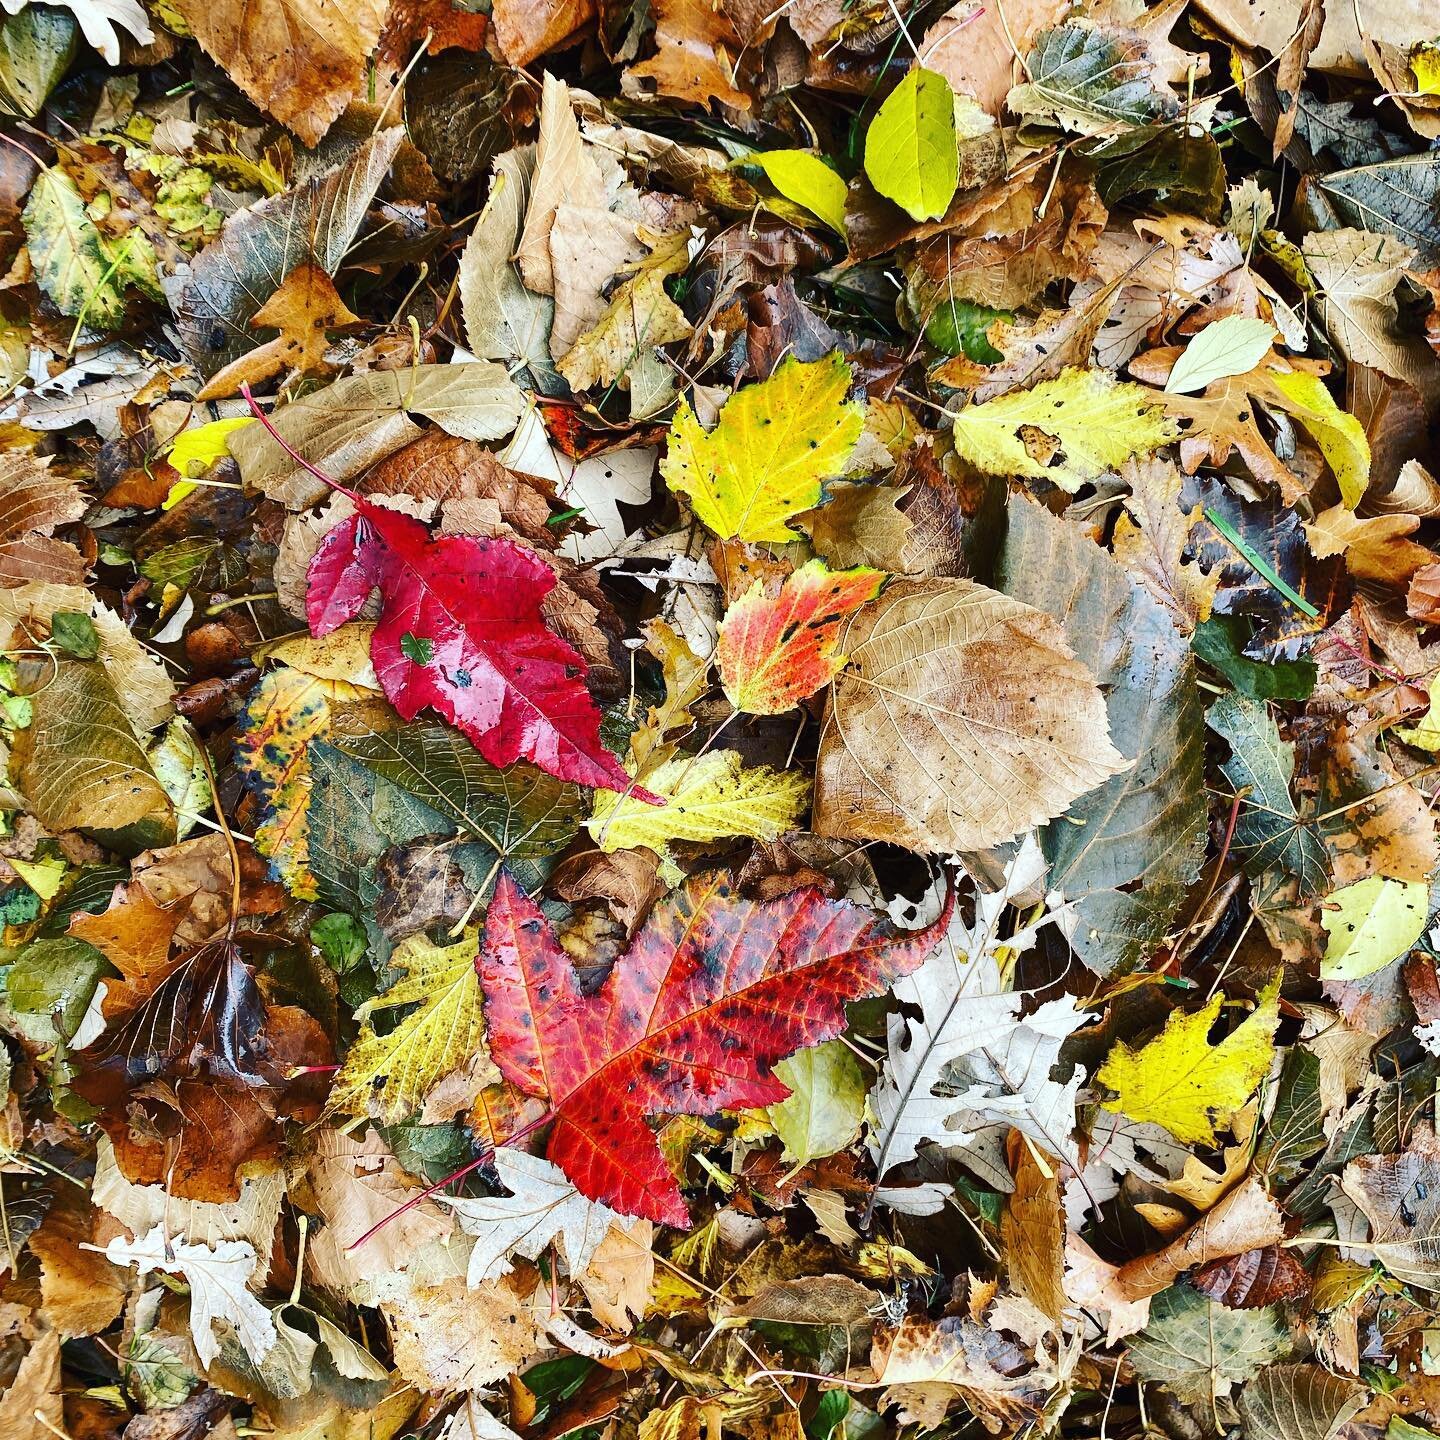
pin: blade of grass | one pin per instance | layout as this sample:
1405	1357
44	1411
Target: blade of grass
1259	564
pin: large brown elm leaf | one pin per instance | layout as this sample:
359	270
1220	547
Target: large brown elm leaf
712	992
961	720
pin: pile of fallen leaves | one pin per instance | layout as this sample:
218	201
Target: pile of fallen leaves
717	719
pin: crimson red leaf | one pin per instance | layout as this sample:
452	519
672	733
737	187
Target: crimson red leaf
713	990
460	631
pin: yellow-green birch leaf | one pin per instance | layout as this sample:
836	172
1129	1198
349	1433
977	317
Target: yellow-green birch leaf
910	152
807	180
774	444
1068	430
1371	924
1340	436
826	1105
708	797
1232	346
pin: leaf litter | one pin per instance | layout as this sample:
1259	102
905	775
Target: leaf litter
719	720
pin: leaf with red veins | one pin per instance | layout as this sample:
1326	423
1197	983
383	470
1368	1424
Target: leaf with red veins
461	632
713	991
776	650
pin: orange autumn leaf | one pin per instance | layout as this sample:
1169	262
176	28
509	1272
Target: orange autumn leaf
777	649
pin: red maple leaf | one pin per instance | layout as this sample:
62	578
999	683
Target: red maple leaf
713	990
461	631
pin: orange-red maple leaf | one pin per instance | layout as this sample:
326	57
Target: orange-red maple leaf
775	650
712	992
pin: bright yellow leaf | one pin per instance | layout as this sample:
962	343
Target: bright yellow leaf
195	451
709	797
388	1076
1425	735
1371	924
1068	430
1183	1082
774	444
1340	436
1425	66
42	876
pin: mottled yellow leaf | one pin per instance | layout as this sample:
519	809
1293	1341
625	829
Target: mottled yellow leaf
388	1076
708	797
765	459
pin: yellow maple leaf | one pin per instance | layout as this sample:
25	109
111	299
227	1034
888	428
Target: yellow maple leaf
708	797
1186	1084
388	1076
766	457
1068	430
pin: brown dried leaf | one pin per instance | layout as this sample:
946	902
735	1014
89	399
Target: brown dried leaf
960	720
301	60
1151	540
1246	1219
1253	1279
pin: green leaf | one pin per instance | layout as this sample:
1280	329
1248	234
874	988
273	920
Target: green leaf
1232	346
910	149
1068	430
1127	852
1199	1349
36	48
75	634
960	327
520	812
1088	80
53	980
1296	1129
1371	924
1269	830
71	263
826	1104
341	939
79	765
1220	642
806	179
1175	169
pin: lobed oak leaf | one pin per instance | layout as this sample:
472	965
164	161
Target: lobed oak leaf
776	650
461	632
712	992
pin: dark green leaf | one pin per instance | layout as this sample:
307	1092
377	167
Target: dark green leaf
1269	831
75	634
1127	851
1221	642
